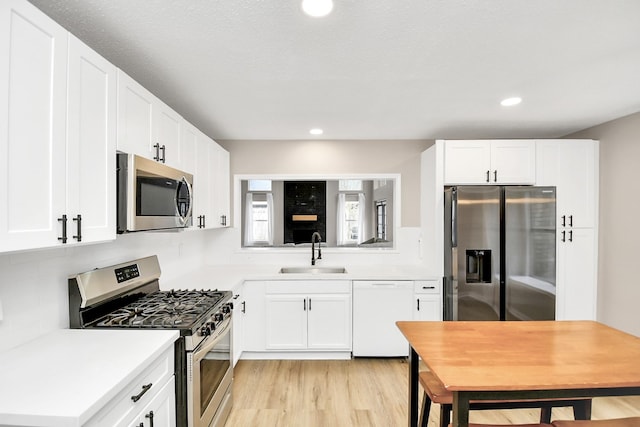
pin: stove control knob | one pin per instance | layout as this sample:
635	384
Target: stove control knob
212	326
226	309
205	331
218	317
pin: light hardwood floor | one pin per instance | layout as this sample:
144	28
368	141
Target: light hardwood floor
358	392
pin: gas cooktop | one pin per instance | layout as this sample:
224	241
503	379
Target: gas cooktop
165	309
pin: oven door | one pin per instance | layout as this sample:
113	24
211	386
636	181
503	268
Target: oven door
210	375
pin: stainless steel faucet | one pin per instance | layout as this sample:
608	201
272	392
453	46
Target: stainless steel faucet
313	247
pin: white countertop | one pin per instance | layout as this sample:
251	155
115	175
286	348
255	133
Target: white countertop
63	378
228	277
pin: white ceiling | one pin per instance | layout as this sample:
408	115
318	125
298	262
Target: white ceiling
373	69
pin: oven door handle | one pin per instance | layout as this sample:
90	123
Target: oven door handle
211	342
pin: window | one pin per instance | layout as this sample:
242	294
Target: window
350	221
258	229
381	219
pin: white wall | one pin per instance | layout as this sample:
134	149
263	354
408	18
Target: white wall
33	285
619	231
330	158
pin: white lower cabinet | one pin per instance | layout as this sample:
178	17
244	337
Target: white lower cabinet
253	316
428	300
296	315
146	401
161	411
313	315
238	324
577	275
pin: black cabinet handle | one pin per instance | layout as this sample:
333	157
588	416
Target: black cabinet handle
495	175
304	304
78	220
564	218
488	172
428	287
145	388
150	416
157	156
571	235
418	299
563	236
309	304
244	307
570	220
63	239
164	153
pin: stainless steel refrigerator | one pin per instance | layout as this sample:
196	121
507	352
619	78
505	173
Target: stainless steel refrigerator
500	253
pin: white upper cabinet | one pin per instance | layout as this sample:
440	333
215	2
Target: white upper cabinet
203	216
146	126
134	118
221	187
489	162
33	101
571	165
166	133
91	144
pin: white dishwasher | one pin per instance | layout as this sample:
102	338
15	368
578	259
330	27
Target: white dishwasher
377	306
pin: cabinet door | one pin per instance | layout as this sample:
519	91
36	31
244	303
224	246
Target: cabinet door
577	275
188	143
166	133
238	324
579	178
135	105
220	182
329	321
428	307
571	165
513	162
33	77
286	322
203	212
253	313
467	162
161	410
91	144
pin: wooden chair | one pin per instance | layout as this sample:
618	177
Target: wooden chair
619	422
510	425
435	392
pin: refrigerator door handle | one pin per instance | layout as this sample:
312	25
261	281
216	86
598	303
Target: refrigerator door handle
454	218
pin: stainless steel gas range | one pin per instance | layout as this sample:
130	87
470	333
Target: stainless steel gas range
128	295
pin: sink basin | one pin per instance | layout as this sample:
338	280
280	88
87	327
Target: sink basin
313	270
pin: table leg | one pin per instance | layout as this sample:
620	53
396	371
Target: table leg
460	410
413	387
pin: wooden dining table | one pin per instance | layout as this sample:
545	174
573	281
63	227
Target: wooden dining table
521	360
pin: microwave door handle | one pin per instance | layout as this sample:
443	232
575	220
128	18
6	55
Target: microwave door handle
190	192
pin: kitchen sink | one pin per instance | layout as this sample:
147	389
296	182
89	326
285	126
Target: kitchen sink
313	270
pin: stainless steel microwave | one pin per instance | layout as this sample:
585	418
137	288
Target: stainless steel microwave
151	195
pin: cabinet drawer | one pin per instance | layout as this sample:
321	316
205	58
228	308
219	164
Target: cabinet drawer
122	410
427	286
308	287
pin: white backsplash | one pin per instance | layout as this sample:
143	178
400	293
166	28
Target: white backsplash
33	285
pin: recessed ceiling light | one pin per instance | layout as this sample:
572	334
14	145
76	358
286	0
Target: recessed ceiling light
510	102
317	8
316	131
